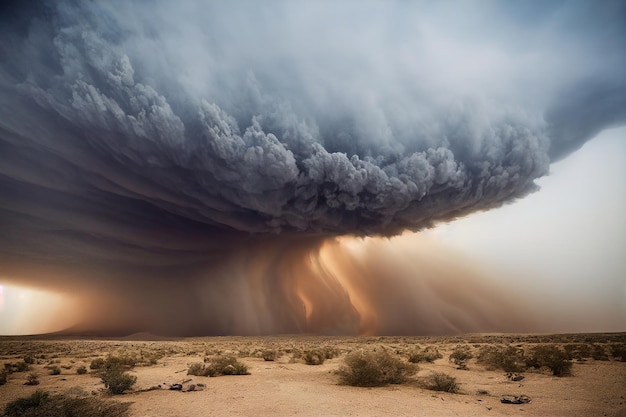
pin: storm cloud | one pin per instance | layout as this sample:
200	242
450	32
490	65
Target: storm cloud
157	155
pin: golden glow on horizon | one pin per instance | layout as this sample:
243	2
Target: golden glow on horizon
25	310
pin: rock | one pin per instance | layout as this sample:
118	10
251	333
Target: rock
514	399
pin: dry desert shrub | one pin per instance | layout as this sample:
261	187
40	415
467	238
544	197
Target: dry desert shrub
507	358
114	376
578	351
4	376
330	352
551	357
221	365
427	354
32	379
618	351
197	369
81	370
460	355
116	380
55	370
439	381
314	357
16	367
96	364
42	404
269	355
373	369
599	353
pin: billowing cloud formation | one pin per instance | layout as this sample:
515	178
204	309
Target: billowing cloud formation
142	143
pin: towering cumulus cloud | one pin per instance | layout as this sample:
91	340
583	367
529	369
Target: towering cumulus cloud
188	168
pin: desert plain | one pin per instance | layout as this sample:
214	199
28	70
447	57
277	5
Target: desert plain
281	381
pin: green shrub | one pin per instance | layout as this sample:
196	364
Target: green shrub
42	404
428	354
551	357
373	369
81	370
439	381
32	379
460	355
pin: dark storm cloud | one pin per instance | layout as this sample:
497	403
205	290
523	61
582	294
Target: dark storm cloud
151	138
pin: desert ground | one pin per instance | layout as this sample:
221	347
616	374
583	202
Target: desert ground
281	382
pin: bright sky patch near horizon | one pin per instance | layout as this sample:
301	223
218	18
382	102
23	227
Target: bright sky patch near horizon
566	241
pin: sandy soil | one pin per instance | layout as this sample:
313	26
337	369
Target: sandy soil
286	387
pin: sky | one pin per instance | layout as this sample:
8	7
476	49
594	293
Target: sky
319	167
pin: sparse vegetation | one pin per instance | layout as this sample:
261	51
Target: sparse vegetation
29	359
427	354
439	381
96	364
578	351
32	379
507	358
221	365
16	367
116	380
197	369
314	357
619	351
460	355
598	353
55	370
114	376
42	404
373	369
4	376
269	355
28	406
512	354
551	357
